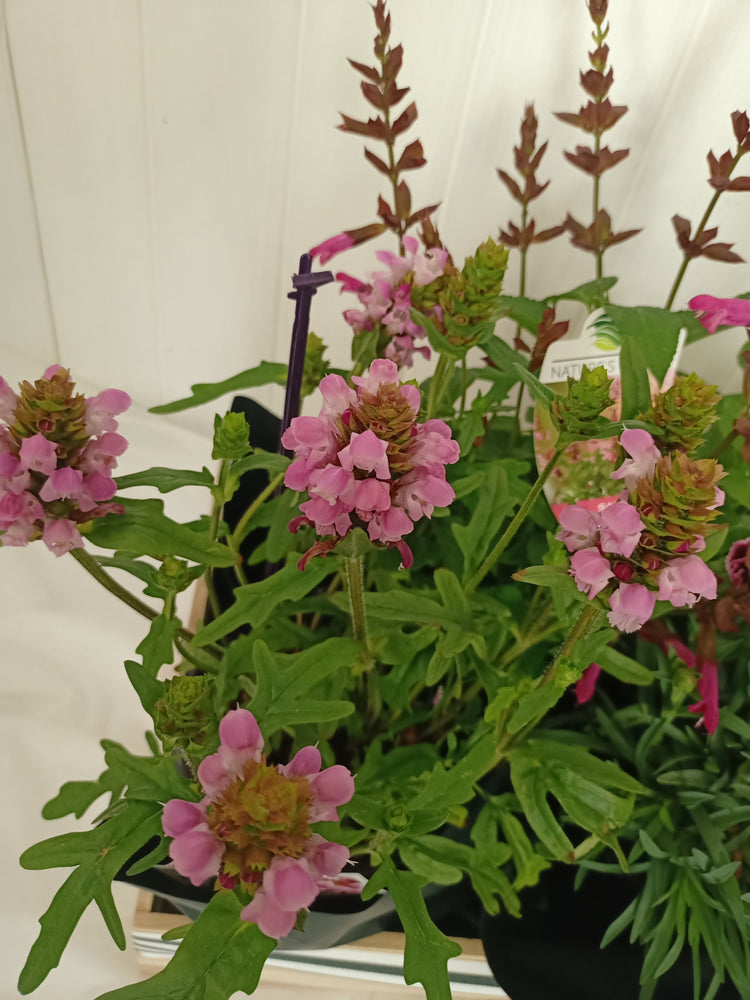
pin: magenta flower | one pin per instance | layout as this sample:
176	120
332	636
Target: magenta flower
57	453
620	528
714	313
643	457
587	684
631	605
365	461
590	570
708	688
332	246
682	581
251	831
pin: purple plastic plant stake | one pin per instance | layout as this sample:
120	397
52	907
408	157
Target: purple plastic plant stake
305	284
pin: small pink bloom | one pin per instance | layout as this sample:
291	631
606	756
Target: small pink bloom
590	570
61	535
337	395
213	775
289	884
632	605
309	434
390	526
620	529
350	284
19	508
63	484
53	370
381	372
13	476
714	313
579	528
241	739
681	650
643	457
332	787
197	854
372	496
419	492
8	402
324	857
682	581
587	684
306	762
101	410
333	245
179	816
98	487
38	454
367	452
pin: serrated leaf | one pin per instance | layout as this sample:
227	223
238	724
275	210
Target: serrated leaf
165	480
655	330
496	502
97	855
255	602
76	796
270	461
427	949
593	294
157	648
220	955
154	779
266	373
527	313
455	785
636	393
530	786
145	684
405	606
144	529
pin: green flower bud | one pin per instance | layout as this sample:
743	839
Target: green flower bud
471	296
231	436
586	399
175	574
185	718
683	413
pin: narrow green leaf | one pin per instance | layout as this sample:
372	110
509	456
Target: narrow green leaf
541	393
165	480
530	787
623	667
533	705
636	394
544	576
267	373
76	796
593	294
144	529
148	689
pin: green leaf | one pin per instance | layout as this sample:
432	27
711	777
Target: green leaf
526	312
267	373
455	785
533	705
624	668
157	648
97	856
255	602
529	784
496	502
145	684
165	480
655	330
219	956
405	606
144	529
154	779
579	761
636	394
543	576
427	949
76	796
593	294
272	462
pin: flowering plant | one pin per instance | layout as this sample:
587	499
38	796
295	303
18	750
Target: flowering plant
421	675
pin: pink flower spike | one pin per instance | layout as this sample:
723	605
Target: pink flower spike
708	688
620	529
643	457
590	570
61	535
632	605
241	738
333	787
587	684
682	581
333	245
179	816
38	454
579	528
713	313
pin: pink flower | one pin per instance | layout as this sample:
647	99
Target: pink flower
61	535
101	410
643	457
333	245
37	454
620	529
682	581
738	562
708	688
579	528
587	684
367	452
632	605
255	810
714	313
590	570
8	402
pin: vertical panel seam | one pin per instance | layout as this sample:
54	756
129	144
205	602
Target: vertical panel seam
30	180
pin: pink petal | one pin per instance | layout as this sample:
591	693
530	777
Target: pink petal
213	775
289	884
39	454
179	816
324	857
61	535
270	918
197	855
305	762
631	605
332	246
65	483
332	787
241	738
587	684
590	570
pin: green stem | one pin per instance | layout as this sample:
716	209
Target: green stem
238	535
93	568
213	529
354	578
599	248
516	523
730	438
699	231
438	385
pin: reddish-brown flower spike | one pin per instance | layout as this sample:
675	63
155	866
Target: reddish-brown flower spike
404	120
368	71
597	236
595	83
741	128
547	333
386	213
598	58
594	163
701	246
594	117
597	11
720	170
374	128
511	185
412	157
